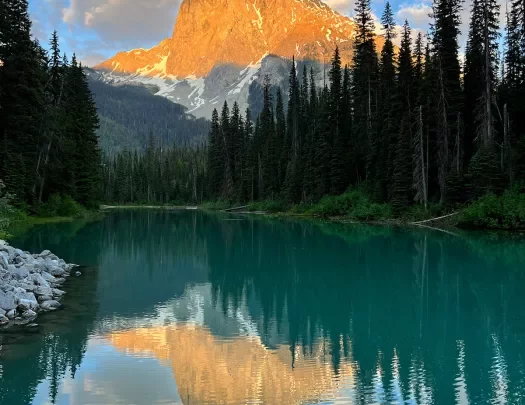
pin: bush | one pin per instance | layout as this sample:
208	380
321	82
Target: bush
353	204
496	212
6	210
271	206
58	206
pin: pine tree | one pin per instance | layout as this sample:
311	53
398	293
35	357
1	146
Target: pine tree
383	149
227	186
337	141
215	149
364	90
292	184
447	91
280	137
22	81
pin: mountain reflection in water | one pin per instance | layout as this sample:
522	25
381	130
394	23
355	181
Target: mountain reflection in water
191	308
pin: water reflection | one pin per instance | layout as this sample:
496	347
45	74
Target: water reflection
284	312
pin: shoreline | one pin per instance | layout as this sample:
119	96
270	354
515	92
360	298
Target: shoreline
29	284
334	219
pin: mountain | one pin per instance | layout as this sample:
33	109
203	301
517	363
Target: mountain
219	48
129	113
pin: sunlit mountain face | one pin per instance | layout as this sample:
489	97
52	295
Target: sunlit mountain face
222	50
194	308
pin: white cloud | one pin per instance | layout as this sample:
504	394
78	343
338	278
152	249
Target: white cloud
342	6
123	21
418	15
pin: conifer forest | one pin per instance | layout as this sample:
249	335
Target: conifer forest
48	119
414	124
410	124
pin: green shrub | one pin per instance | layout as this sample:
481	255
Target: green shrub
58	206
69	208
496	212
271	206
353	204
216	205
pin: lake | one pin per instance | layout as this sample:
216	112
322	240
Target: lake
186	307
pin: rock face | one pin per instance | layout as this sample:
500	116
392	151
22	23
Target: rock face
241	32
29	283
220	47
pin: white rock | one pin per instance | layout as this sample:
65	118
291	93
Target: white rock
27	287
43	290
4	262
20	253
57	292
20	272
3	319
50	305
24	305
26	300
78	273
56	271
44	253
38	280
48	277
29	314
43	298
11	314
2	312
7	300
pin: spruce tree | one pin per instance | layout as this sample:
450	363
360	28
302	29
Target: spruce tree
337	138
215	157
383	152
364	90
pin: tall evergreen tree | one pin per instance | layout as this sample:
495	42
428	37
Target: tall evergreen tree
364	90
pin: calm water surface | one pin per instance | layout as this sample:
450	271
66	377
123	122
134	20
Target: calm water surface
193	308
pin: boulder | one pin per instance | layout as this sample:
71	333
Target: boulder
20	272
43	290
4	262
43	298
29	314
21	254
38	280
56	271
2	312
25	305
11	314
7	300
26	300
50	305
59	280
48	277
44	253
3	320
57	292
27	287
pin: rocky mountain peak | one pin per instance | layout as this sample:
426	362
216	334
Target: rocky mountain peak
208	33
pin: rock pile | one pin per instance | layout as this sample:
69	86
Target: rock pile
29	284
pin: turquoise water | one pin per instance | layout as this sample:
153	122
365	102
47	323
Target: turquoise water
192	308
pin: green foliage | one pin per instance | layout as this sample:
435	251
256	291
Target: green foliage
270	206
5	210
59	206
496	212
353	204
48	120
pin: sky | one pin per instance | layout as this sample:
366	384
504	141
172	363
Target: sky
97	29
